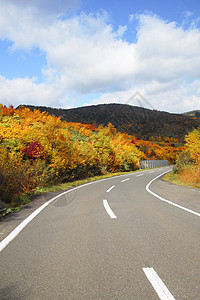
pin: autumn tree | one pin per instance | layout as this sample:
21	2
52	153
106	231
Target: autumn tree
193	145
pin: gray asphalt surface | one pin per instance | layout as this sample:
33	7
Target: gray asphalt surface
74	250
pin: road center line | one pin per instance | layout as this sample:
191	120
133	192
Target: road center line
151	172
109	210
139	175
167	201
112	187
125	179
158	285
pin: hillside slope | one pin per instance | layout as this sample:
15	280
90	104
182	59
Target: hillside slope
193	113
131	119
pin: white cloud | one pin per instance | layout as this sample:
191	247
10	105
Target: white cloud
26	91
85	55
187	14
167	51
161	96
121	30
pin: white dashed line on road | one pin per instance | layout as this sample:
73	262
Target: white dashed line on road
125	179
139	175
151	172
112	187
158	285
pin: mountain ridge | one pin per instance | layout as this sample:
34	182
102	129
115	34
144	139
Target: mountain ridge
193	113
134	120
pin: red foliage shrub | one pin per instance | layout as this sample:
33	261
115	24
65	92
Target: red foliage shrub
34	150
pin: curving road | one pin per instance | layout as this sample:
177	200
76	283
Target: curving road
113	239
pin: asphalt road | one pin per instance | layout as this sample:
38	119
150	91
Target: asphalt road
111	239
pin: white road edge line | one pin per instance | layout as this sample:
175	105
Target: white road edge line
21	226
158	285
167	201
125	179
109	210
139	175
112	187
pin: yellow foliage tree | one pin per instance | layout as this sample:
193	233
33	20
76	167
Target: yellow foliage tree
193	144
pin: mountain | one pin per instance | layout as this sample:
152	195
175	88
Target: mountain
194	113
138	121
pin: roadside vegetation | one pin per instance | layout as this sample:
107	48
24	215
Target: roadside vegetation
187	168
38	150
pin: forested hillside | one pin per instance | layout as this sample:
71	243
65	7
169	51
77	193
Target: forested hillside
193	113
142	122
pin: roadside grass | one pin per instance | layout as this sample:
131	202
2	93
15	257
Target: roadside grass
67	185
174	178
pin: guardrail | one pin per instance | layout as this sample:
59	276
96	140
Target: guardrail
147	164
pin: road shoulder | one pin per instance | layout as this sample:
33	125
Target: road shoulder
181	195
12	220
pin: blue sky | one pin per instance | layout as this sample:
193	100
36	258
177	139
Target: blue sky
68	53
120	10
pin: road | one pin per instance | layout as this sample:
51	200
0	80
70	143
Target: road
111	239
